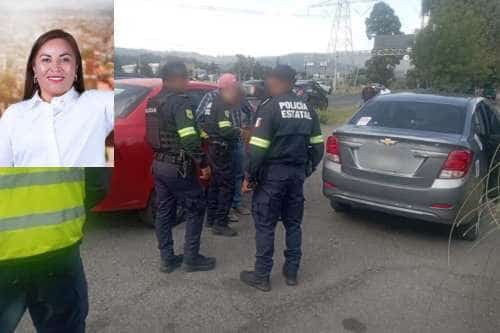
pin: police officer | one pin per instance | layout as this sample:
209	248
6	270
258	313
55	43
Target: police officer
285	147
215	119
177	151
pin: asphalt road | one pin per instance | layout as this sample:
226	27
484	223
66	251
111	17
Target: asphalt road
361	272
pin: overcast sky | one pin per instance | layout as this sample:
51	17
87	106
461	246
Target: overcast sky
251	27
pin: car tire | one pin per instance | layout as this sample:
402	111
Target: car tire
469	232
340	207
472	230
148	214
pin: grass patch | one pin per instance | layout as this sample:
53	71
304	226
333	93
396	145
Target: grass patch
337	115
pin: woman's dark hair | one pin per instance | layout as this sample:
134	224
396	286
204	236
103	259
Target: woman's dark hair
30	86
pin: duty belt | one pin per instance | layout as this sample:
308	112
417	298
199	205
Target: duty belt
163	157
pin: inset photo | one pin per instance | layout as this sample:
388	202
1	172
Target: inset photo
56	83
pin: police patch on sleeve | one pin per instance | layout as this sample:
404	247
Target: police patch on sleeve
258	122
189	114
227	113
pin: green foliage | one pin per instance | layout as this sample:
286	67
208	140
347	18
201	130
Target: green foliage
459	49
382	21
248	68
380	69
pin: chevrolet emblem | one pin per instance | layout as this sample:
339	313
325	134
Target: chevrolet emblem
388	141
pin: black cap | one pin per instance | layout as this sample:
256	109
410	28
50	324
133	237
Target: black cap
173	69
284	73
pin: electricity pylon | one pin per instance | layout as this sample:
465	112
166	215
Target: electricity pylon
341	30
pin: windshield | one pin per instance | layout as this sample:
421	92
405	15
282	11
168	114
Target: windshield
127	98
418	116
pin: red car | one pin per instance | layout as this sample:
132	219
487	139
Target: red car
131	180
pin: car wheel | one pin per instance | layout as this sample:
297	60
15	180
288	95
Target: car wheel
340	207
148	214
472	230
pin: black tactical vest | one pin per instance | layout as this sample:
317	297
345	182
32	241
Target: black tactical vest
161	132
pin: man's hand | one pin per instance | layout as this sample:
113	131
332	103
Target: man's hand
246	187
205	173
245	135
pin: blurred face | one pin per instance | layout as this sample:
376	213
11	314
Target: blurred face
177	83
277	87
55	68
231	95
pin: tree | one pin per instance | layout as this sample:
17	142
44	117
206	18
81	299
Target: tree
382	21
380	69
459	50
213	68
146	70
247	68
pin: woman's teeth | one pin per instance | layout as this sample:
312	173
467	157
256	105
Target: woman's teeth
55	78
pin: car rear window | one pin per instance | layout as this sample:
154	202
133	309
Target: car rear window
421	116
128	97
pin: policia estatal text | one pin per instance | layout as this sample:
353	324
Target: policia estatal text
285	147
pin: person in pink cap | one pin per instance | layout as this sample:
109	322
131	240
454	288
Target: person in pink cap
215	118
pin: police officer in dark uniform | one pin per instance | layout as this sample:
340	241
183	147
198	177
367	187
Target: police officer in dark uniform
285	148
177	151
215	119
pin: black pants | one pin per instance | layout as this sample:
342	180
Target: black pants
53	289
278	194
221	188
172	189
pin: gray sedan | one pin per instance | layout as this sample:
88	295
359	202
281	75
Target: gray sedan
414	155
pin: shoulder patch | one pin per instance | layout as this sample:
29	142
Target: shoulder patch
189	114
227	113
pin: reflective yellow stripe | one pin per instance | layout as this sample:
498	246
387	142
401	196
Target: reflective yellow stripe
316	139
40	178
262	143
186	131
224	123
203	135
36	220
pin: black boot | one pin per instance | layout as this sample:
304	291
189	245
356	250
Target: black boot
200	263
250	278
171	264
290	277
226	231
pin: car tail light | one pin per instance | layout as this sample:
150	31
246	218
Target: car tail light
457	164
329	185
442	206
333	149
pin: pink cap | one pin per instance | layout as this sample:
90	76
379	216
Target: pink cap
227	80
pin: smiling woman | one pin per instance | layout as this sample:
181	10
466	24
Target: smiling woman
58	123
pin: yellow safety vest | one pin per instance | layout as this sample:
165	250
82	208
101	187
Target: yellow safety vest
41	210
